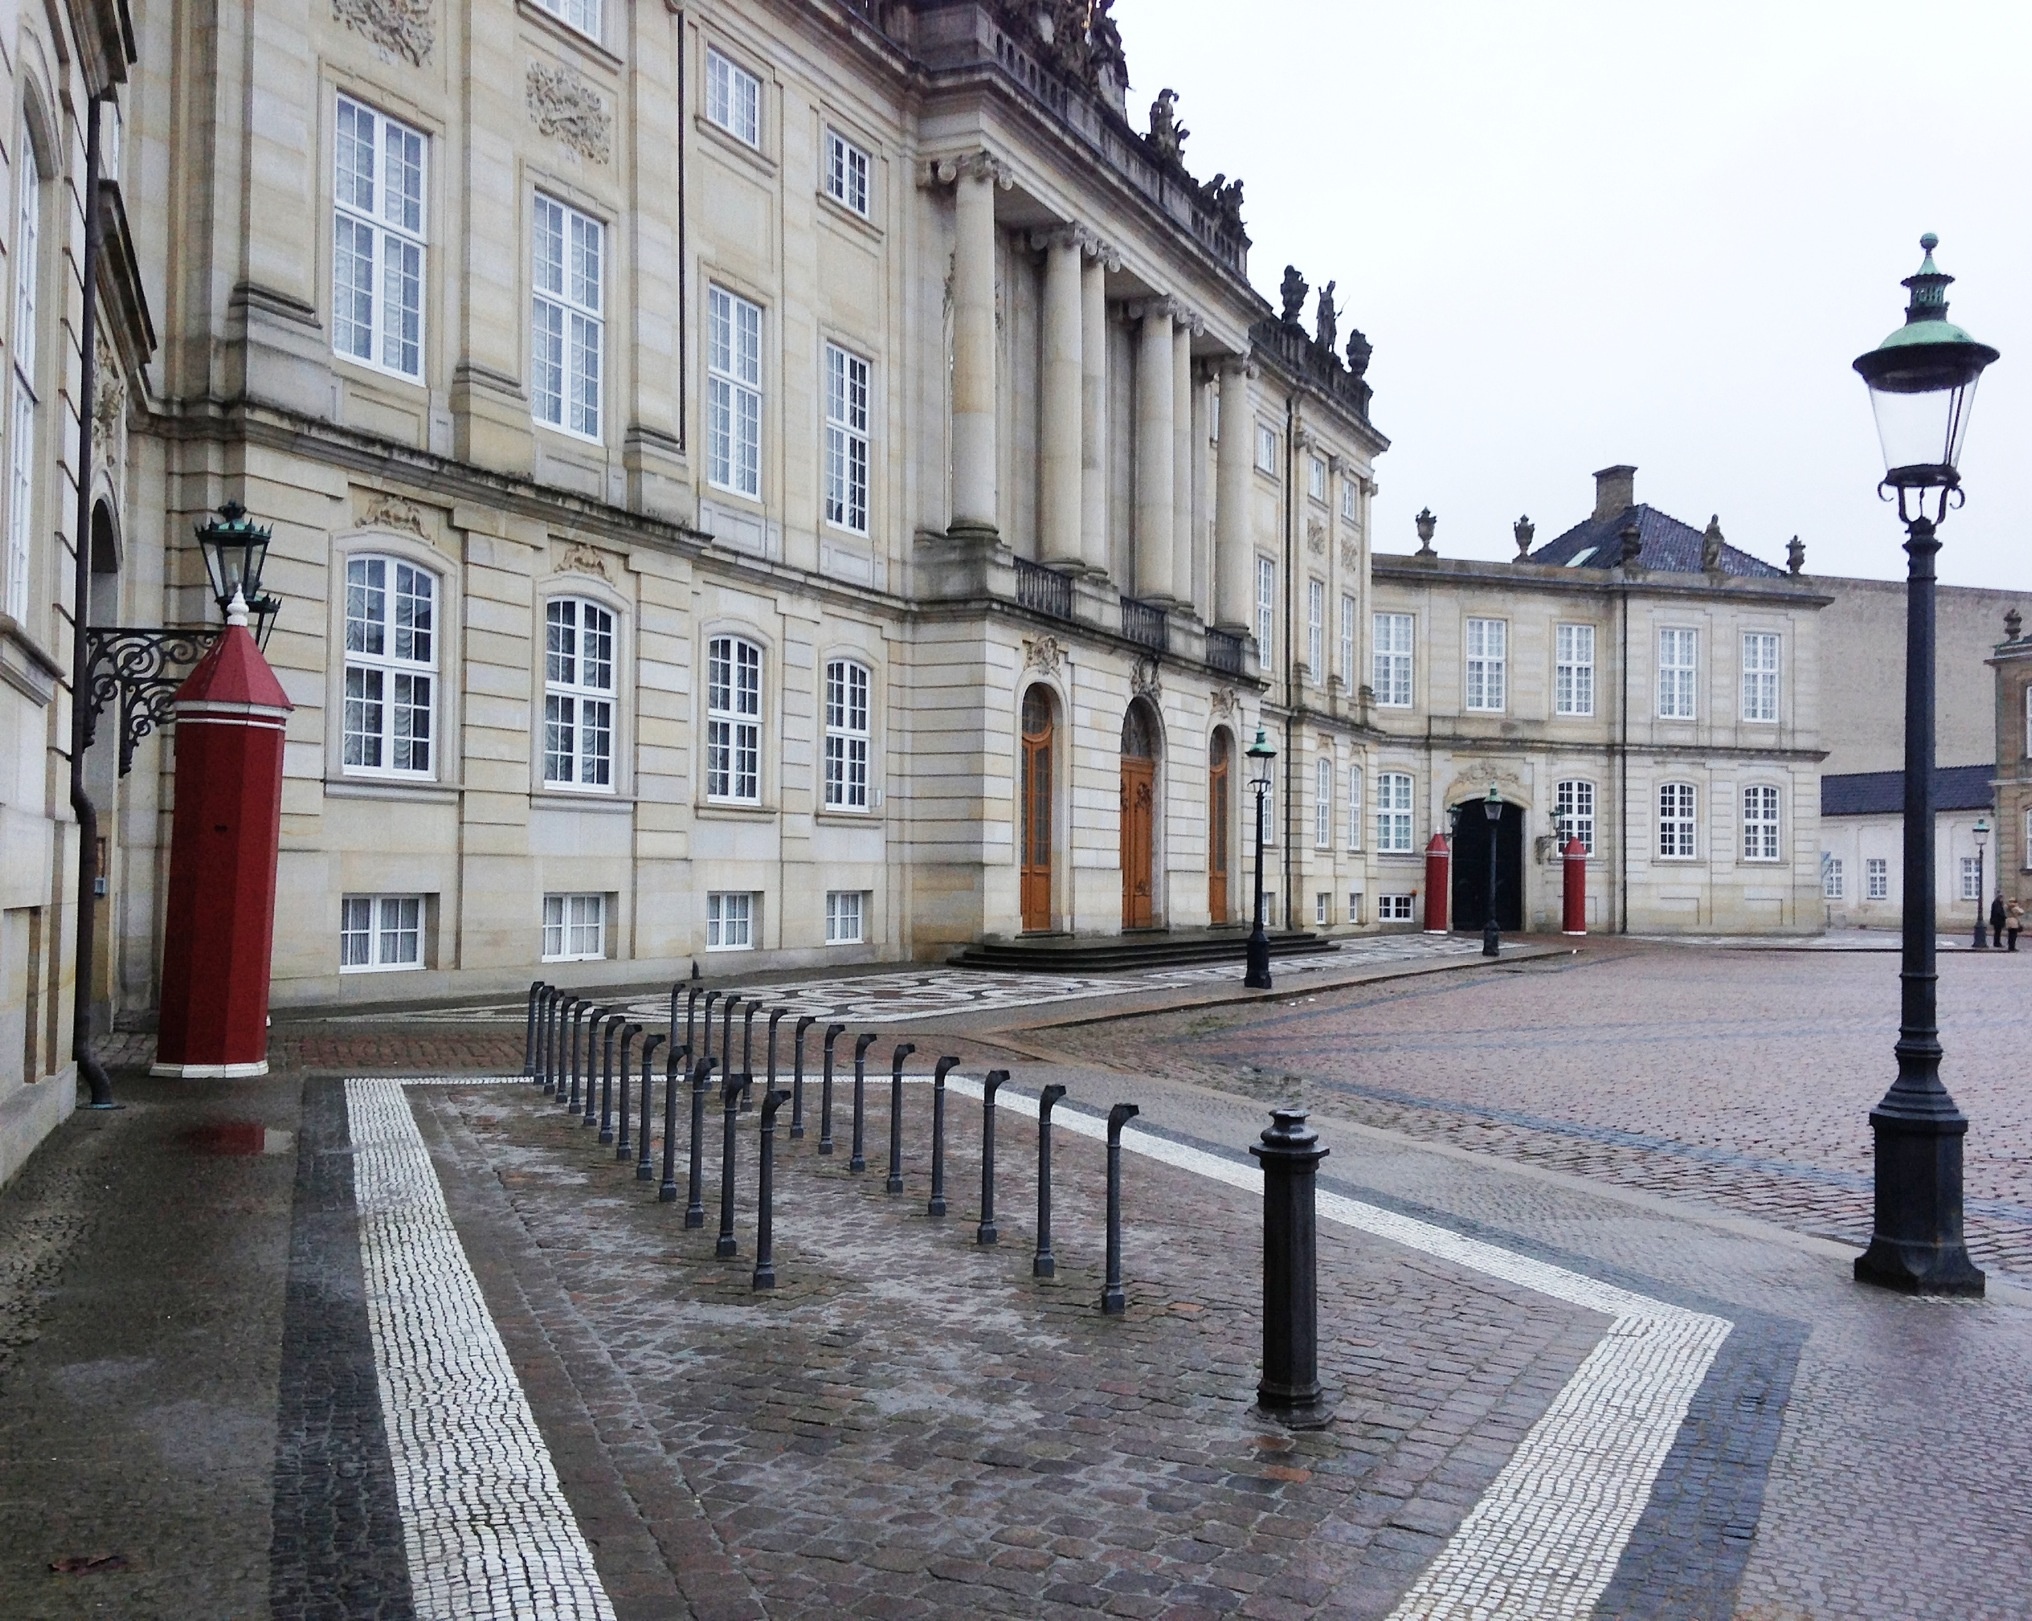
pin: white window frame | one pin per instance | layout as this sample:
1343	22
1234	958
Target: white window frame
1678	673
567	318
1354	908
396	680
1573	802
24	396
574	928
1971	885
1678	821
849	740
1396	909
582	15
730	919
1761	660
1876	878
1266	449
1487	690
581	652
1355	811
849	173
1266	608
847	396
733	393
1348	622
1833	878
846	917
1761	810
1315	479
733	774
1322	909
1315	629
1322	802
1395	834
381	237
391	929
733	98
1574	670
1349	491
1270	816
1390	672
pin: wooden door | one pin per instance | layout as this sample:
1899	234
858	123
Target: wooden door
1220	827
1139	790
1035	868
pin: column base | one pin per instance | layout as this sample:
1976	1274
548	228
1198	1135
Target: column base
1313	1410
1916	1243
209	1072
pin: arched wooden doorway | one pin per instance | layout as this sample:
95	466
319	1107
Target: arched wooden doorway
1220	822
1035	864
1139	817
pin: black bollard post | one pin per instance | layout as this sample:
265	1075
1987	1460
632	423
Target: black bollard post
553	1005
580	1007
727	1035
985	1233
730	1105
775	1018
804	1023
711	998
606	1114
825	1117
692	992
695	1197
765	1195
1290	1389
895	1182
545	1003
666	1193
590	1114
748	1056
650	1043
529	1032
1045	1264
560	1023
1113	1301
629	1031
935	1206
858	1161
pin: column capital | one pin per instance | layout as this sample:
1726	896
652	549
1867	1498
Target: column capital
1182	315
946	171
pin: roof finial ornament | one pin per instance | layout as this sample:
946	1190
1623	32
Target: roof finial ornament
1359	351
1795	555
2014	624
1524	529
1711	544
1426	523
1293	290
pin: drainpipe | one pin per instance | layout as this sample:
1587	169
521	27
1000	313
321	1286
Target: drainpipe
1292	696
1623	767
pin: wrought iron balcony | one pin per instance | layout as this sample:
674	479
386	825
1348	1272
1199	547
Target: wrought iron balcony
1043	590
1224	650
1143	622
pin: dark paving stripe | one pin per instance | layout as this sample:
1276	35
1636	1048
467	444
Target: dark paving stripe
337	1553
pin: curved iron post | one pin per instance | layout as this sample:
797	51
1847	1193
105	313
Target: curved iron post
765	1195
825	1120
629	1032
935	1206
895	1182
643	1172
1045	1264
985	1233
804	1023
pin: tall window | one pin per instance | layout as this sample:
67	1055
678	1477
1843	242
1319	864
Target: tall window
1574	802
1266	607
1348	512
391	666
567	330
1760	822
574	928
1354	816
733	720
1266	449
578	694
1393	813
1678	674
1348	642
1877	879
1574	674
1322	803
1315	478
1760	675
1971	878
846	735
730	920
733	99
1315	629
846	438
734	392
377	241
22	406
846	173
380	932
1488	664
1675	821
584	15
1392	660
1833	883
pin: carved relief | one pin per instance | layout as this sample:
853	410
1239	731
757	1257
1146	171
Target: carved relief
565	107
1146	680
580	558
1315	537
1351	556
380	511
109	405
1224	702
400	27
1044	654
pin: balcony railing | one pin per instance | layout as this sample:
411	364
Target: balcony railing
1143	622
1043	590
1224	650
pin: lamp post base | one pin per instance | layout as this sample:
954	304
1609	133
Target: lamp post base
1257	975
1492	942
1916	1246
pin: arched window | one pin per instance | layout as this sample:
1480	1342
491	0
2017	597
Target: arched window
733	721
23	399
391	666
578	694
1139	733
846	735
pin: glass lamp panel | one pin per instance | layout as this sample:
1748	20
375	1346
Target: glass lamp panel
1922	429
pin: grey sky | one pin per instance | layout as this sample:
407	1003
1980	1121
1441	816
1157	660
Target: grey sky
1582	232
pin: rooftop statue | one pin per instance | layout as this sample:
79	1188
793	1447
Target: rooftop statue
1329	318
1711	544
1293	291
1167	134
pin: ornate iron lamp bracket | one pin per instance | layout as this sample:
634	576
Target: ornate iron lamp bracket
142	669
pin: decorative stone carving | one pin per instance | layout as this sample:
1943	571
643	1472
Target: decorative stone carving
1351	556
1043	653
562	105
579	558
1224	702
1146	679
1711	544
1523	530
1426	523
976	165
1292	290
109	405
1224	197
1359	352
1329	319
379	511
1315	537
1167	135
400	27
1795	561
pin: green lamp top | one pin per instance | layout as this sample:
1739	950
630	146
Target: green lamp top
1946	355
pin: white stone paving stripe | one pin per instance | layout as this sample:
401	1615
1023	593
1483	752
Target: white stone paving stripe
488	1533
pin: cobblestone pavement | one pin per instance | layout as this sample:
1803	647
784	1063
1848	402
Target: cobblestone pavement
1732	1078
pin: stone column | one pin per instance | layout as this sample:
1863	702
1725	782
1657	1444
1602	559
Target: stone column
1156	495
1061	499
1094	414
1202	503
1232	540
1181	459
974	506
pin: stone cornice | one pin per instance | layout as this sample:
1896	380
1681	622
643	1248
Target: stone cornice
1405	568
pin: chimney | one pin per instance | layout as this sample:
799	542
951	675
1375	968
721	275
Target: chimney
1615	492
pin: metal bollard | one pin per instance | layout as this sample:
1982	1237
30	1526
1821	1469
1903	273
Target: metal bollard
730	1104
858	1161
985	1233
606	1110
765	1195
825	1119
650	1043
553	1002
584	1108
711	998
529	1032
629	1032
560	1014
580	1008
695	1198
804	1023
775	1018
895	1183
692	992
544	1004
935	1206
1290	1390
1113	1301
727	1034
748	1056
666	1193
1045	1264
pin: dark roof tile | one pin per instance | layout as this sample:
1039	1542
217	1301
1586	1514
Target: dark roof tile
1882	793
1669	546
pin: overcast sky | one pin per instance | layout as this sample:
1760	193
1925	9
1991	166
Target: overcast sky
1582	232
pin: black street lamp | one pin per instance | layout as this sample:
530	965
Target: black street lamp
1261	754
1492	809
1922	379
1982	832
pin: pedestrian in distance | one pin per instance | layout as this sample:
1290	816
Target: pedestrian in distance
2014	920
1997	919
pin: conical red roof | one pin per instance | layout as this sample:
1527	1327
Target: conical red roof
234	672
